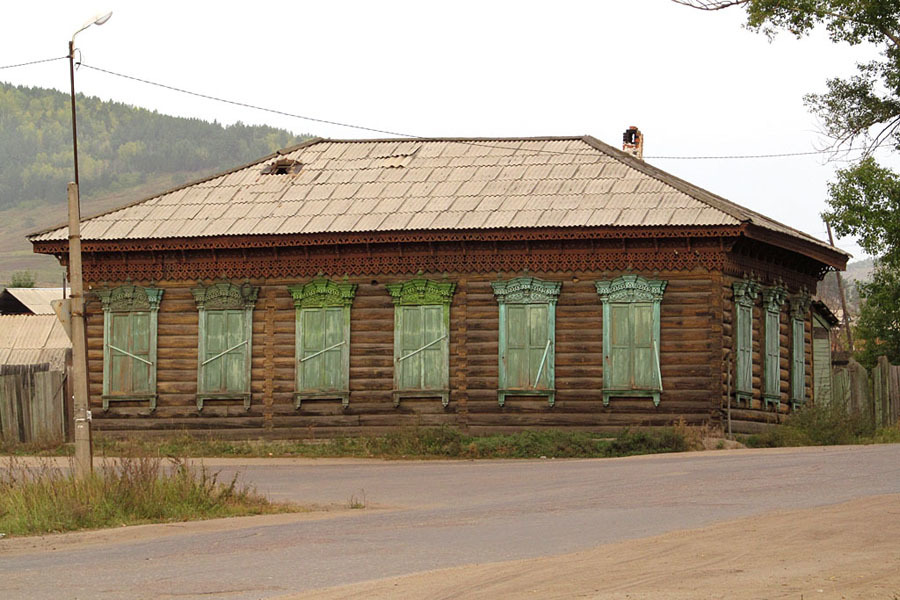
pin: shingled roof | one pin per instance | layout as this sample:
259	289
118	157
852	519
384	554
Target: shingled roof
340	186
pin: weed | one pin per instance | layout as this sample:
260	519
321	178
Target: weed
44	498
357	501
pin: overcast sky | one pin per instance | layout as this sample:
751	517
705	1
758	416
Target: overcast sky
695	83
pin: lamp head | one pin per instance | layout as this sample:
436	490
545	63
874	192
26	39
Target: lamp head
100	20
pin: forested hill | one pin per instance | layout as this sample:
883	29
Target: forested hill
125	153
119	146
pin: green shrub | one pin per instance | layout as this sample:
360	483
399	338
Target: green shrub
814	425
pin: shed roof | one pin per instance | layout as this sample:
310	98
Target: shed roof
33	339
36	300
341	186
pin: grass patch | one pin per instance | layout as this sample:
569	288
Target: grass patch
123	491
419	443
823	426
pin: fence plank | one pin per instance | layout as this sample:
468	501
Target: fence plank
9	412
47	407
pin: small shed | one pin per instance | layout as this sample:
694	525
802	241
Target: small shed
29	301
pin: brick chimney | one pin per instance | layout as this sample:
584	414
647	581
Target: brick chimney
633	142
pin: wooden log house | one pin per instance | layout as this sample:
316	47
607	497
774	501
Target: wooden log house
350	286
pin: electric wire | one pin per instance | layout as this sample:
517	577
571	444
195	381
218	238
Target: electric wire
420	137
33	62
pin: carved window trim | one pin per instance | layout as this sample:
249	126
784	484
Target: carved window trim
422	292
133	300
322	294
527	290
631	289
225	296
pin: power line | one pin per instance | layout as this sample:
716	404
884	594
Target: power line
33	62
413	136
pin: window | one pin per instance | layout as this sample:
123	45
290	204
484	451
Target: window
225	335
129	343
527	335
799	310
773	298
631	365
745	294
421	339
323	340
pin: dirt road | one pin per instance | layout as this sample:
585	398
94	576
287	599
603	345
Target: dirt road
562	528
850	550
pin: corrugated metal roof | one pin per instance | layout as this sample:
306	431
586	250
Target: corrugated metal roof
418	185
37	300
33	339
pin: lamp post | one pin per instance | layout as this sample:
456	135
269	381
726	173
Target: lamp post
83	450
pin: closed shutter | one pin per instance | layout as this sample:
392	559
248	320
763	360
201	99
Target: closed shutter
421	358
224	364
644	356
744	371
619	360
322	346
129	352
528	347
798	361
773	355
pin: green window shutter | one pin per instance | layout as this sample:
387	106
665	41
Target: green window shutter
773	357
323	339
619	357
799	312
527	336
225	326
644	355
822	378
745	294
129	343
631	330
517	373
773	298
421	339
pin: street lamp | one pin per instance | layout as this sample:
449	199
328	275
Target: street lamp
83	450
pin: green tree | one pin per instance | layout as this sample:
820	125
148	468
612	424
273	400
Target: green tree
864	200
22	279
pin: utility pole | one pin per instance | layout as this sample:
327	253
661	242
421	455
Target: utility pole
84	463
840	282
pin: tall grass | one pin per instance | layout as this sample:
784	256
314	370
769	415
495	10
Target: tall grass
823	425
123	491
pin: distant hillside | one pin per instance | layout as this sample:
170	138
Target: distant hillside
124	153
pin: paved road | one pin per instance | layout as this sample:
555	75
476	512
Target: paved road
444	514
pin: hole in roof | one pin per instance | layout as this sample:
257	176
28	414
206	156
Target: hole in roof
282	166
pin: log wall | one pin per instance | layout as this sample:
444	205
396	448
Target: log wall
692	334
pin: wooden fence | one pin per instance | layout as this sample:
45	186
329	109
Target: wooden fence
32	404
875	395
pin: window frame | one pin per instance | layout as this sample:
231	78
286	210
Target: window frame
322	295
800	305
773	299
529	292
225	296
745	295
132	300
631	290
421	292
